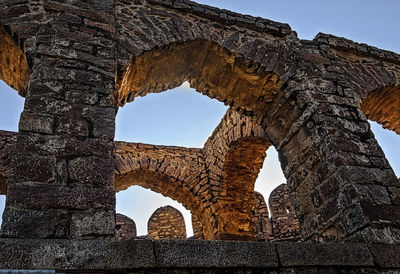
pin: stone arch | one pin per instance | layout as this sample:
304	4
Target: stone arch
234	155
171	171
209	68
245	70
169	187
242	164
383	106
14	69
166	223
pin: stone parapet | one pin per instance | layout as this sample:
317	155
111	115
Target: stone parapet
184	256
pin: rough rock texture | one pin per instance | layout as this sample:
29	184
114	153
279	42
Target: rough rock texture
138	157
309	99
215	183
125	227
198	230
7	144
285	226
166	223
64	149
190	256
260	217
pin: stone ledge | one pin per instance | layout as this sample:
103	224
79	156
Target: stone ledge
228	17
183	255
308	254
214	254
361	49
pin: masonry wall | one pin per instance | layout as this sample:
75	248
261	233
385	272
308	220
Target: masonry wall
166	223
125	227
310	99
285	225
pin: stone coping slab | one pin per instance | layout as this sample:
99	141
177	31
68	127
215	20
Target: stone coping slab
111	255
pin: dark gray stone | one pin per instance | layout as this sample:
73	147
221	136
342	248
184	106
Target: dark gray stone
221	254
308	254
99	254
386	256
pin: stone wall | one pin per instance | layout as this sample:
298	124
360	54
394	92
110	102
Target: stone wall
285	225
166	223
7	144
125	227
182	256
260	218
309	99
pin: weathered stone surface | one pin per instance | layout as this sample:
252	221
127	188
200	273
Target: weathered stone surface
304	254
125	227
260	218
214	254
55	114
90	255
285	225
166	223
309	99
386	257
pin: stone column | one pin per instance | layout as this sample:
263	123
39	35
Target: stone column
342	186
61	182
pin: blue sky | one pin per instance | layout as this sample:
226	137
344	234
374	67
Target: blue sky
184	117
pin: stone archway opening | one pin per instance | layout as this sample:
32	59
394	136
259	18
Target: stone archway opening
247	87
382	108
178	117
273	212
181	117
144	204
209	68
271	174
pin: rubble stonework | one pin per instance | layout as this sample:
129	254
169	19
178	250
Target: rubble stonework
309	99
166	223
125	227
260	218
285	225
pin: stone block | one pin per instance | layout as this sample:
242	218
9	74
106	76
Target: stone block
98	255
92	222
308	254
94	170
28	223
52	197
210	254
386	256
36	123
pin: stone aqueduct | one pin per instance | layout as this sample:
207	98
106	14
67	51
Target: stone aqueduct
76	62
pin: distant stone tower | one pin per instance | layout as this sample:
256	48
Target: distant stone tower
285	225
260	217
166	223
125	227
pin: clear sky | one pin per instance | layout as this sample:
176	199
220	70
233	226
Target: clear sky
184	117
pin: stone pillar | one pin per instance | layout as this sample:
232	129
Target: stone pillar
341	185
61	182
